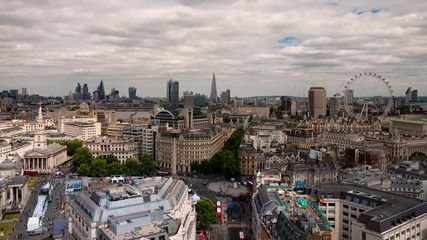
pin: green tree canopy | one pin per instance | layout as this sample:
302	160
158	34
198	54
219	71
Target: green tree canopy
111	158
147	165
206	214
83	170
82	155
114	168
230	165
98	167
131	167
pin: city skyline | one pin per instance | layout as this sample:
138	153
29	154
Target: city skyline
254	48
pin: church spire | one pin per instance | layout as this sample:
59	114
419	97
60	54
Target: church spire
40	116
40	135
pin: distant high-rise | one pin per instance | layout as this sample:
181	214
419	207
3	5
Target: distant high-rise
101	91
78	92
95	96
350	96
13	93
317	101
85	92
132	93
24	91
213	97
285	104
334	105
225	97
411	95
114	94
200	100
172	93
188	100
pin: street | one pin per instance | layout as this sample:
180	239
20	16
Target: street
224	191
53	212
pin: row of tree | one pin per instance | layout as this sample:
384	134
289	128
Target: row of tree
224	162
101	166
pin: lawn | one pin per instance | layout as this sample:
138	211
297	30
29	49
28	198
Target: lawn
11	215
32	182
7	227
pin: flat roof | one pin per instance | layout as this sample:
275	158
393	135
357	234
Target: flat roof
420	121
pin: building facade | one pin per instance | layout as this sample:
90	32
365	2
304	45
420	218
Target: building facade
317	101
192	145
121	148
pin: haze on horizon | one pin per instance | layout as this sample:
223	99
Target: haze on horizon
255	48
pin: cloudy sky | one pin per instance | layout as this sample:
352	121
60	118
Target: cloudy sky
254	47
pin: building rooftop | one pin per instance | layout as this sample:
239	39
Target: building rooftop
386	207
420	121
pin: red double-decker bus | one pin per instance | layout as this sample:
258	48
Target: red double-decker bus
31	173
162	173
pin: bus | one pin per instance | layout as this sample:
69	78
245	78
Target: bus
31	173
241	236
218	214
162	173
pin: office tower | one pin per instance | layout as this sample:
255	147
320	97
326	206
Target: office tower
213	97
188	99
78	92
114	94
101	91
317	101
95	96
24	91
132	93
334	108
13	93
172	93
5	94
285	104
350	96
85	92
225	97
200	100
411	95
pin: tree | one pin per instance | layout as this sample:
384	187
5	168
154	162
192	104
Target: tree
114	168
195	167
148	165
111	158
83	170
131	167
82	155
230	165
206	214
98	167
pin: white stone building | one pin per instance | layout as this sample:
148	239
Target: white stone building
121	148
134	212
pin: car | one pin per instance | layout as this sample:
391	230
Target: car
59	173
190	191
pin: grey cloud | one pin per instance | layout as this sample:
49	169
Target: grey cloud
141	42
